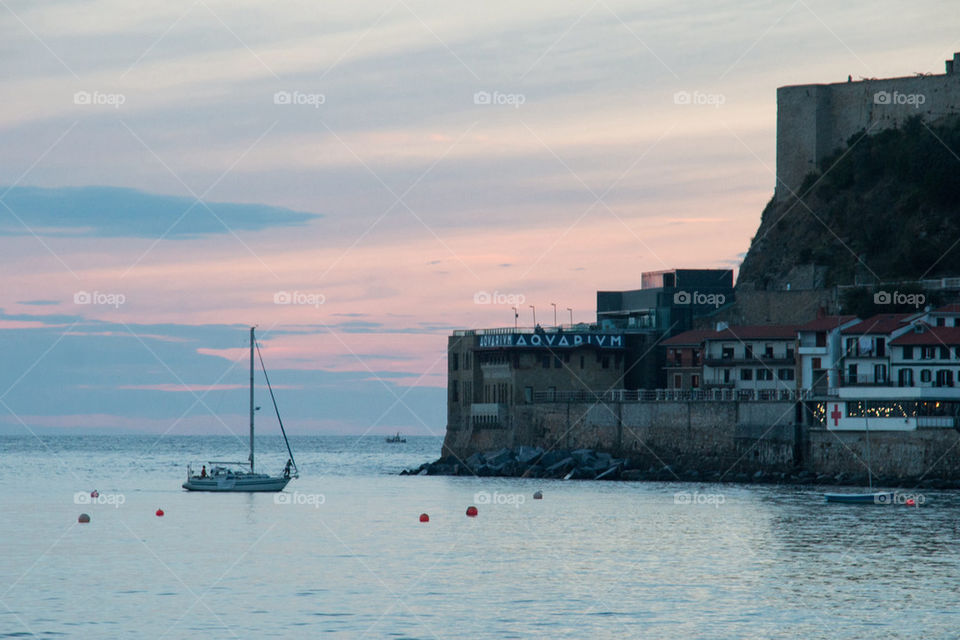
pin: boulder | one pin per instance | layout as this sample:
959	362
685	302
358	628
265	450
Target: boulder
498	457
526	455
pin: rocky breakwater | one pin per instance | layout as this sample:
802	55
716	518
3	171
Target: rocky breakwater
589	464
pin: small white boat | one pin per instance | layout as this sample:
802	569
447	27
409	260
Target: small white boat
232	476
875	497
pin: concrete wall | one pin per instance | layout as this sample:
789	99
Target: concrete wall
931	453
725	437
814	120
707	436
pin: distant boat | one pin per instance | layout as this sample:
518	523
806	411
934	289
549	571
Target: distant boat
875	497
396	439
232	476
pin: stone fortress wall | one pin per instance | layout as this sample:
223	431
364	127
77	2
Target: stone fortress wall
813	120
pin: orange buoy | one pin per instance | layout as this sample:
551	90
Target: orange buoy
472	511
424	517
159	512
83	518
538	495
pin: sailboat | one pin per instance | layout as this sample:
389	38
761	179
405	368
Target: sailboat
396	439
233	476
874	497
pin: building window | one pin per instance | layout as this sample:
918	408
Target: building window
454	388
944	353
727	352
927	353
746	374
546	362
768	351
944	378
816	363
677	381
455	361
606	362
582	361
821	338
785	374
557	362
528	394
881	347
941	322
925	375
764	374
908	353
747	351
905	377
695	381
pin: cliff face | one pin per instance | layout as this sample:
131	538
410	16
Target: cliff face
885	206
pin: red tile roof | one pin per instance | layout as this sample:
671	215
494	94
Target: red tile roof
882	323
937	336
826	323
692	337
756	332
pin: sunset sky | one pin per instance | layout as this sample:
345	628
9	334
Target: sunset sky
194	165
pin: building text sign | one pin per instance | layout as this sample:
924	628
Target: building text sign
552	340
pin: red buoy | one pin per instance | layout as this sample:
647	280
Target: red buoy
472	511
94	494
159	512
424	517
911	502
83	518
538	495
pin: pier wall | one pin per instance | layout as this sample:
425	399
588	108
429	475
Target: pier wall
725	437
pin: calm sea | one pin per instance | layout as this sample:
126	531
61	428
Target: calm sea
342	554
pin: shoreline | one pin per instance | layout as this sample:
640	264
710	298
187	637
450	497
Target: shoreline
590	464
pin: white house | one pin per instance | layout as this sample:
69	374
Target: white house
759	358
819	348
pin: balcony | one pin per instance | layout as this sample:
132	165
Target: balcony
489	415
752	360
813	351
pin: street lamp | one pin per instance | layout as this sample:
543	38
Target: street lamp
554	305
516	314
534	315
571	315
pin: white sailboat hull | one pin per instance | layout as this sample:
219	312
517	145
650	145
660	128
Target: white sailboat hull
257	482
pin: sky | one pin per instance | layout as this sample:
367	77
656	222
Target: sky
352	178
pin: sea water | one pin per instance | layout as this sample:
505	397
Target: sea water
342	553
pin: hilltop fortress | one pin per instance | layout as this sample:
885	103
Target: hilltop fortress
813	120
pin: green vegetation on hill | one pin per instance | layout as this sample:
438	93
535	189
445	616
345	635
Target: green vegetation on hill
886	206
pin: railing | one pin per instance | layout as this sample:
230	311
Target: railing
714	361
668	395
580	327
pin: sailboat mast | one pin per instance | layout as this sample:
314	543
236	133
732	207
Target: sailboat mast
251	399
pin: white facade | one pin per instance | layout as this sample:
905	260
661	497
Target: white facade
820	350
762	364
